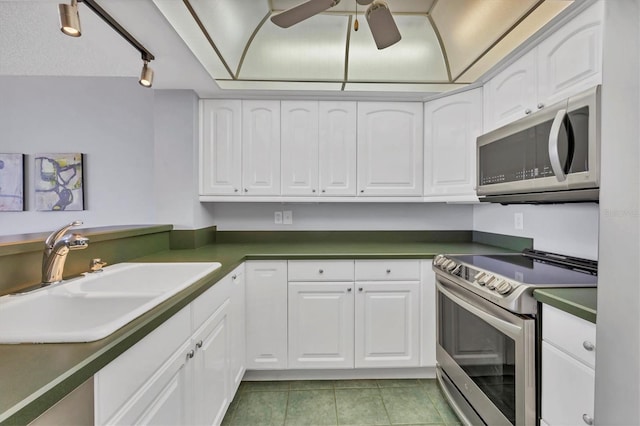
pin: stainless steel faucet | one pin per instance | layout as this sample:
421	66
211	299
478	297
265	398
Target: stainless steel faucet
56	248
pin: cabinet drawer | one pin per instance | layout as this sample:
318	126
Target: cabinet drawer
570	333
387	270
321	270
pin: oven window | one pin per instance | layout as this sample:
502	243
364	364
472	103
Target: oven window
485	354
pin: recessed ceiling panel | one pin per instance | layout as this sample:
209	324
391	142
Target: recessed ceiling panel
402	87
404	6
534	22
230	24
312	50
279	85
469	27
415	58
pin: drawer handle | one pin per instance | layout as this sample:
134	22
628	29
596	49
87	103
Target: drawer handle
388	271
199	344
190	354
527	111
588	345
587	419
321	271
349	289
234	277
360	289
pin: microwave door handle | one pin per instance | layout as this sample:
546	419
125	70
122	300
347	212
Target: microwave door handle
554	154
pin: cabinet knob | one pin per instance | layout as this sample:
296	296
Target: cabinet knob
361	191
540	105
349	289
527	111
199	344
588	345
233	277
190	354
388	271
321	271
323	191
246	190
313	190
359	288
587	419
235	189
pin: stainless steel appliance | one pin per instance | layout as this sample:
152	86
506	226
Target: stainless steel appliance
549	156
486	329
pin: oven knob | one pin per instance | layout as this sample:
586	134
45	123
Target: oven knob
485	279
492	284
446	263
451	266
439	259
457	269
504	288
478	276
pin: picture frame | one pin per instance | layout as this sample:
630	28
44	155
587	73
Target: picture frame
11	182
58	183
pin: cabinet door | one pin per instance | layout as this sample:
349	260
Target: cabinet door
261	147
237	326
321	325
220	148
387	323
164	399
452	125
211	363
299	148
337	174
427	315
511	94
390	149
567	388
266	298
570	60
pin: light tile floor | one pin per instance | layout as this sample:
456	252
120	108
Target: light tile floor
340	402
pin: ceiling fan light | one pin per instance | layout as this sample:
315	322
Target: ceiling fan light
69	19
383	28
146	76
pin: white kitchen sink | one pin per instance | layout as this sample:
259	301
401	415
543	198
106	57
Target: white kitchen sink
95	305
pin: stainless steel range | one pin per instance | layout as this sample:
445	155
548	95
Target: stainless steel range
486	348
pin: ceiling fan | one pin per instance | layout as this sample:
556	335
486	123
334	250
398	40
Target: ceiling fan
383	27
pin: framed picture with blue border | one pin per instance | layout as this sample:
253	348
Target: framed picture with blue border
59	182
11	182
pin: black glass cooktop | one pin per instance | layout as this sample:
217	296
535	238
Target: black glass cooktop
524	269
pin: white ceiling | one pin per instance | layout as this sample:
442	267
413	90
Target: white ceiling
258	57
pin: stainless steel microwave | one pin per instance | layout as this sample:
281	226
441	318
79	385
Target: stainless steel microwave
550	156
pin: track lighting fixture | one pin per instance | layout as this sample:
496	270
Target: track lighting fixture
146	76
70	25
69	19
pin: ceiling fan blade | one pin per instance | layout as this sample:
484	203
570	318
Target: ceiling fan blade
383	28
364	2
301	12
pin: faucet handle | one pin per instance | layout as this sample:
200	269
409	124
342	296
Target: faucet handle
95	265
56	235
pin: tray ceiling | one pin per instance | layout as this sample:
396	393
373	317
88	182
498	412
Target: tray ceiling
445	43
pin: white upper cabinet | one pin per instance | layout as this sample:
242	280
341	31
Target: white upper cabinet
299	148
390	149
511	94
565	63
220	147
337	126
261	147
570	60
452	125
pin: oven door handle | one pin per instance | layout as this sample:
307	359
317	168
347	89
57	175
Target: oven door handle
505	327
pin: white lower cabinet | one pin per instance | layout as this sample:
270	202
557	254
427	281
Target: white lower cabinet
568	369
266	314
181	373
352	322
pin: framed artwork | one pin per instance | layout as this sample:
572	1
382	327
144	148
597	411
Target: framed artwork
11	182
58	182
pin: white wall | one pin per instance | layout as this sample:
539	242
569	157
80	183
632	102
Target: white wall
254	216
110	120
176	124
570	229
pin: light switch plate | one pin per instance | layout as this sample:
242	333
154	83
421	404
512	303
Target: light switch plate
518	221
287	217
277	218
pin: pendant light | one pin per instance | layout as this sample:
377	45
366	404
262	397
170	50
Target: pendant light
69	19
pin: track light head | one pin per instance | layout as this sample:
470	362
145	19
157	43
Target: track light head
69	19
146	76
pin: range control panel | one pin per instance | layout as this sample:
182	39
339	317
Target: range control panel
482	279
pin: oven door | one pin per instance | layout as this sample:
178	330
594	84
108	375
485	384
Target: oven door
488	353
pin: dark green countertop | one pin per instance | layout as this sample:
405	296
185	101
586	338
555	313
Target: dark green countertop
580	302
35	376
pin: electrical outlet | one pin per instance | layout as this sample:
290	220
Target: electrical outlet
277	218
287	217
518	221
